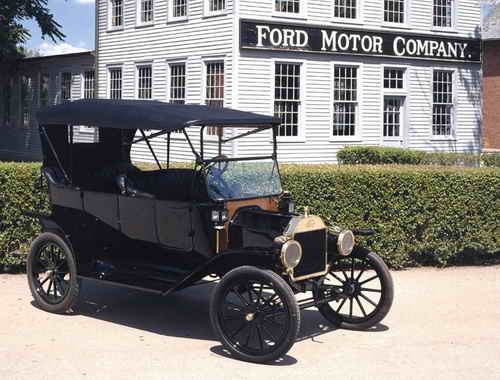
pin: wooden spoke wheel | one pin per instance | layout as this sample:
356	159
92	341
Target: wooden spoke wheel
364	290
52	273
255	314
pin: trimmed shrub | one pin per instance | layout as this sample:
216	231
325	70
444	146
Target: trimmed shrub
376	155
422	215
491	159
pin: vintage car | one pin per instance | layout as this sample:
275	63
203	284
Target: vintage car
168	229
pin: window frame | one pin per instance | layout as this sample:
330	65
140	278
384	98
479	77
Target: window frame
6	107
454	15
395	91
61	81
138	14
208	13
204	98
109	69
82	81
407	15
303	7
301	123
454	104
357	137
27	102
359	20
170	64
42	74
170	12
138	66
112	27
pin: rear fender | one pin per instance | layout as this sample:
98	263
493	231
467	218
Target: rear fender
48	223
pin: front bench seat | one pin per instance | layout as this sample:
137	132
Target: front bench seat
129	188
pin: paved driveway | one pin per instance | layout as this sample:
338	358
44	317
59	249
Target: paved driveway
445	324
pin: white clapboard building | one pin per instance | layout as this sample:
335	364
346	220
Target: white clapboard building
403	73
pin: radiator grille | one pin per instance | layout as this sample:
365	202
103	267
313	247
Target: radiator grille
313	252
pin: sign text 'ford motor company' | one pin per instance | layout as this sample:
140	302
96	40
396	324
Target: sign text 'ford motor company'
265	36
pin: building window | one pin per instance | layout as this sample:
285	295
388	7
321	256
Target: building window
115	83
214	96
443	106
178	83
216	6
443	13
347	9
89	84
26	99
394	11
287	98
66	86
179	9
146	11
287	6
145	82
345	97
393	116
44	90
116	13
7	101
394	79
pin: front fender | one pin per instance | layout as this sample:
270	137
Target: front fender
48	223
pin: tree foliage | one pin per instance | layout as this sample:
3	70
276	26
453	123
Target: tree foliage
13	33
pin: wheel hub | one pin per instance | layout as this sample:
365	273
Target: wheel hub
351	288
250	317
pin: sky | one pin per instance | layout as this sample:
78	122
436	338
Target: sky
77	18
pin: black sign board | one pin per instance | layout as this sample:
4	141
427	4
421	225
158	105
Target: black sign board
327	40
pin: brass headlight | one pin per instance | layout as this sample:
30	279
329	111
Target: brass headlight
345	243
291	254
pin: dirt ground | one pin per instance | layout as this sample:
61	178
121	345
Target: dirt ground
445	324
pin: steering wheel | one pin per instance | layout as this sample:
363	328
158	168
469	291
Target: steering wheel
217	176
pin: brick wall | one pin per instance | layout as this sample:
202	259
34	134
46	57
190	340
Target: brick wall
491	93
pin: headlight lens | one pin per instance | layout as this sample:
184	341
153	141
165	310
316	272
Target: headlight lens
220	216
291	254
345	243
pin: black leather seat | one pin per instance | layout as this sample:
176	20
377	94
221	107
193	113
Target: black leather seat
129	188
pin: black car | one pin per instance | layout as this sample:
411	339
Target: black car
172	228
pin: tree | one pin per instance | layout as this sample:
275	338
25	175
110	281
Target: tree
13	33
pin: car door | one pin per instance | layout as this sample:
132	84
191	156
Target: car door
173	221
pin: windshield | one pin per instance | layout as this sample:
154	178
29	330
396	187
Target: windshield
231	180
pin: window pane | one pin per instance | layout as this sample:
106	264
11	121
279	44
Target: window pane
66	86
287	6
345	9
146	11
116	13
214	96
345	100
394	11
392	117
217	5
179	8
287	98
178	83
115	83
145	85
394	78
89	85
442	113
44	90
443	13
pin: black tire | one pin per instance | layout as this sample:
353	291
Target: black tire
52	274
244	312
357	309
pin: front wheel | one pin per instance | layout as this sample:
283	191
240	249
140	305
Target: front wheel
362	290
255	314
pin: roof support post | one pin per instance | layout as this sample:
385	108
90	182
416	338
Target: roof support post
44	134
151	148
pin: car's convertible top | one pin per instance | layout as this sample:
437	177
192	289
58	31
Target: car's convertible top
147	114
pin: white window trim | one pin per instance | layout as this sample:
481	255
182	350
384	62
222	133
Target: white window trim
112	28
208	13
407	16
171	63
302	15
170	12
453	135
454	17
108	78
138	22
301	136
396	91
358	135
205	62
359	20
138	65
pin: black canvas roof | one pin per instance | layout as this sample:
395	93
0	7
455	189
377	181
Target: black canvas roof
146	114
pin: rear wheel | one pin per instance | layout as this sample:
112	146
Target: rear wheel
255	314
52	273
364	289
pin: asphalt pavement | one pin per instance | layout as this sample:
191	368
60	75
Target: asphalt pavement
445	324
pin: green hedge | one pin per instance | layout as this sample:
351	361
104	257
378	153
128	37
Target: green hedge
422	215
374	155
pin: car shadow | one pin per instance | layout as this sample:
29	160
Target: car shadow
183	314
